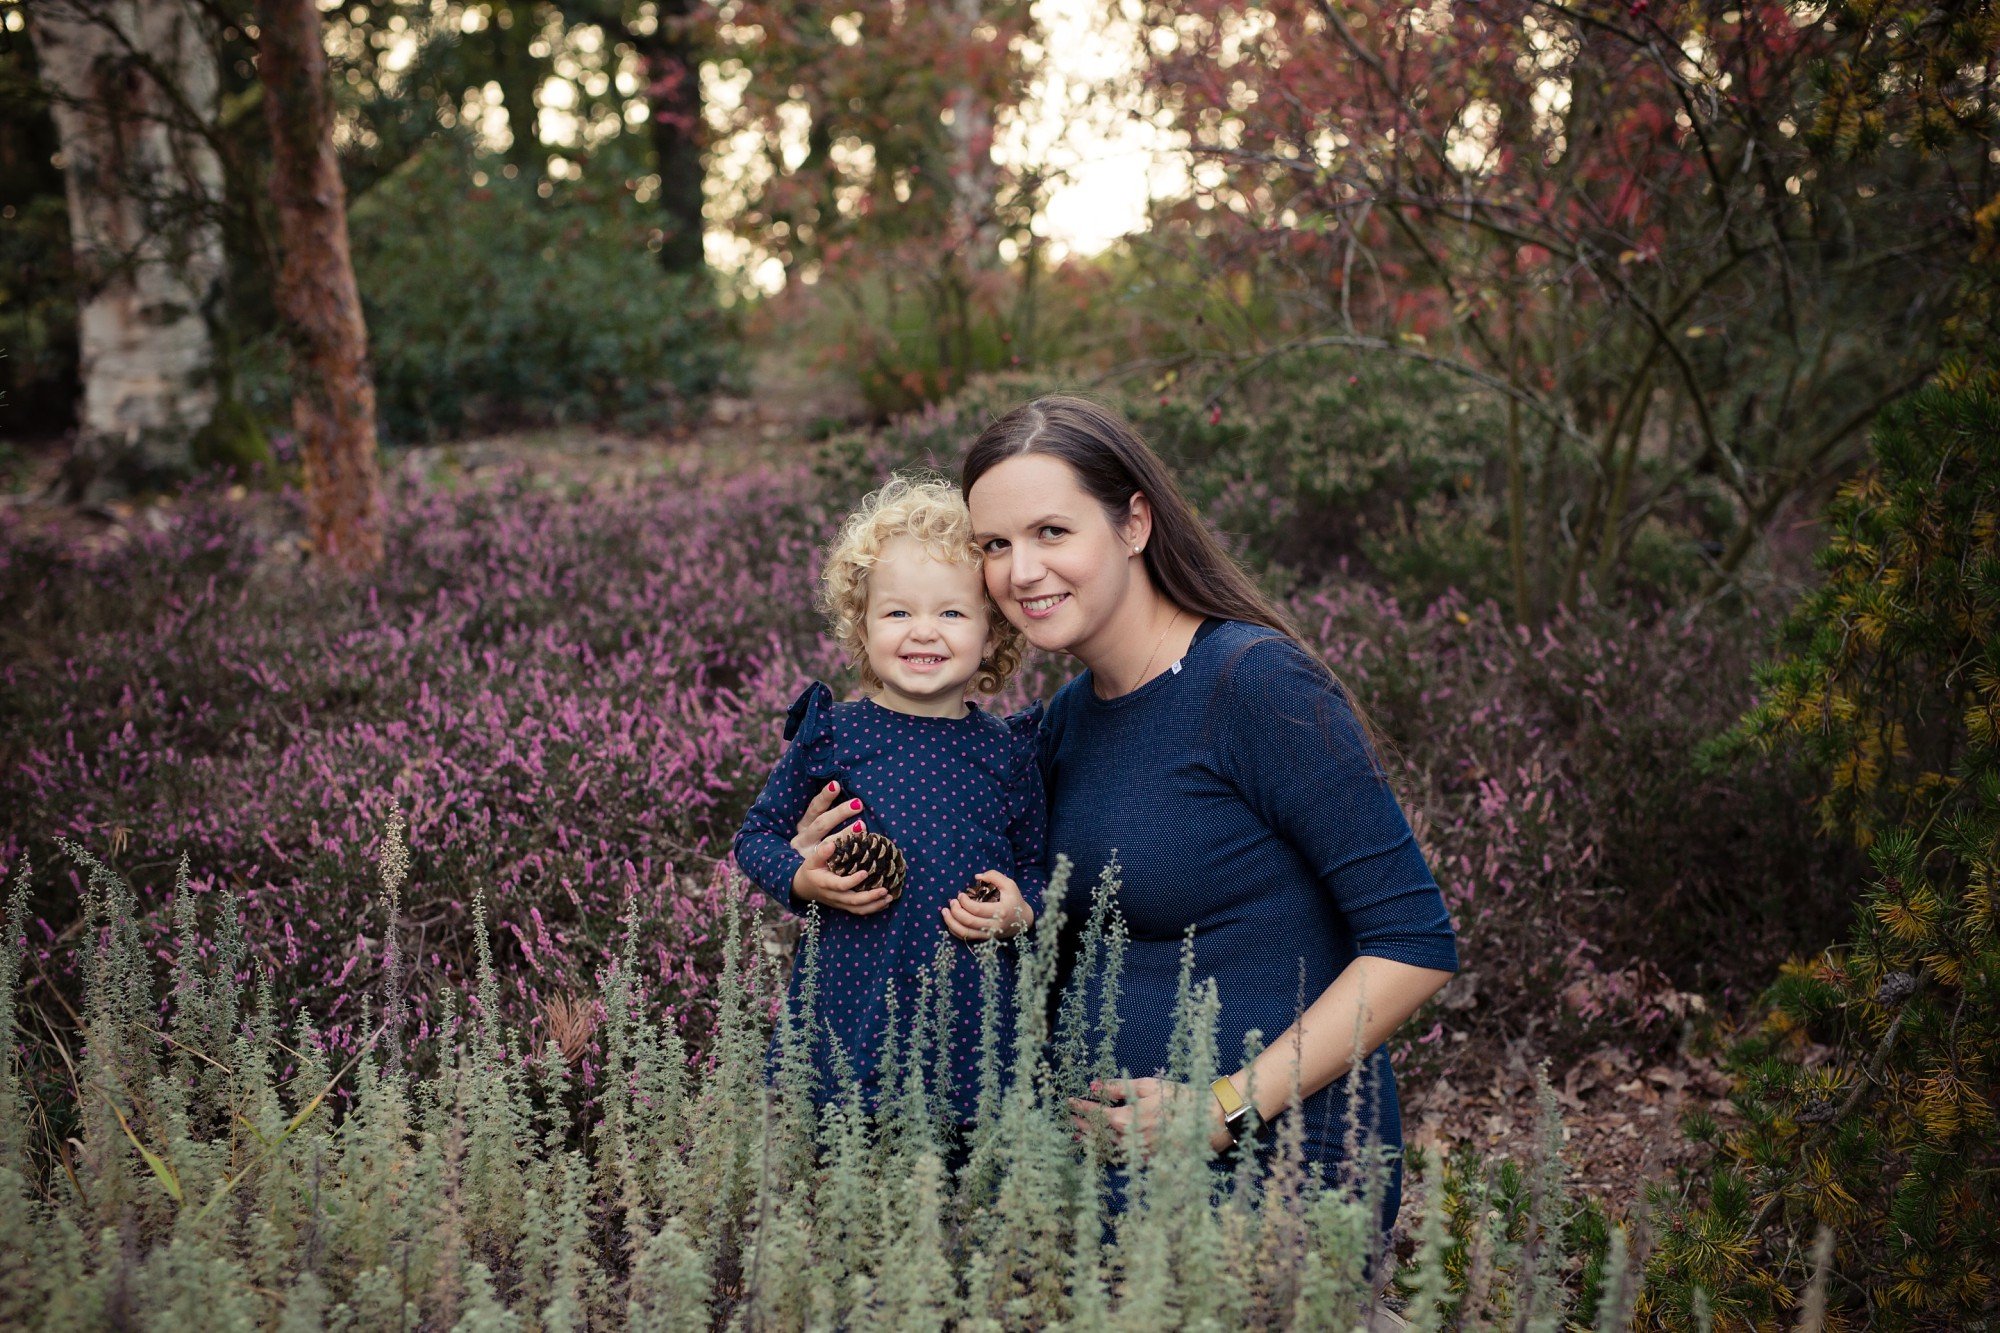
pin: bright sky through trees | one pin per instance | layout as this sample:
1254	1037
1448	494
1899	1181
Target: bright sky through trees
1089	122
1084	126
1105	155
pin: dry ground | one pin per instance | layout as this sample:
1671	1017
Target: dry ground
1620	1113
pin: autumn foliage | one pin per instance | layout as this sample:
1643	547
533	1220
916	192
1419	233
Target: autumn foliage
1688	243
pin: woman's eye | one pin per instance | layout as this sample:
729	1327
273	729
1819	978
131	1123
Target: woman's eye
1051	532
995	546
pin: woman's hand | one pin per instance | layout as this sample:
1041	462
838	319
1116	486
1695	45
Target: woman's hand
1139	1106
814	882
824	817
1002	918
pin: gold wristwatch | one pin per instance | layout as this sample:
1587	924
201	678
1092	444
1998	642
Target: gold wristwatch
1234	1109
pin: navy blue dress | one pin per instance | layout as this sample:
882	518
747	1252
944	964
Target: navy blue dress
1237	793
958	796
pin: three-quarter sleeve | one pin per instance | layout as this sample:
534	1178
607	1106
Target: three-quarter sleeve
763	846
1291	746
1027	808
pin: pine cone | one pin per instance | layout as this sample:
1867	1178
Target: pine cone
1895	988
872	852
982	892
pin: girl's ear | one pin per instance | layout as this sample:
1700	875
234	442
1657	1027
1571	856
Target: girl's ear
1138	526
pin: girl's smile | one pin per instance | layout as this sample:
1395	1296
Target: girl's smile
927	630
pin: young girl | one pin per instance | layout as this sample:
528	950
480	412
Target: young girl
956	789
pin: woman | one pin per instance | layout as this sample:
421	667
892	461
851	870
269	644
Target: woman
1216	757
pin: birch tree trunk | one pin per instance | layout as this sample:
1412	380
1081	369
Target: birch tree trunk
974	176
333	391
136	90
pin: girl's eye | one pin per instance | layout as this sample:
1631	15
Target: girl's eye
959	614
891	615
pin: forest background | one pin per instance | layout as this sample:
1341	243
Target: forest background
420	420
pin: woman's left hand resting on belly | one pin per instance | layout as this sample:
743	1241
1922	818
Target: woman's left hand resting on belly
1002	919
1370	999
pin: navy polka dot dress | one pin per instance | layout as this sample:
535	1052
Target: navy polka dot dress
958	796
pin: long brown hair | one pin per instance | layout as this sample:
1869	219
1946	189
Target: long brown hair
1187	564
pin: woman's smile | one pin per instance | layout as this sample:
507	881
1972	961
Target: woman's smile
1040	608
1057	563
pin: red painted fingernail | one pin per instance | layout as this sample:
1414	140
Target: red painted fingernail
855	805
833	786
856	828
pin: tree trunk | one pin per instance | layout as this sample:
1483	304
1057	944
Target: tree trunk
136	90
673	95
512	33
974	178
333	394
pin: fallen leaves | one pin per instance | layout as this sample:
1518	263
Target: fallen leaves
1621	1116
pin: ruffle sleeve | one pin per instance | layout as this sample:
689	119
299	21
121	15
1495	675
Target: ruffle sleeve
763	847
809	721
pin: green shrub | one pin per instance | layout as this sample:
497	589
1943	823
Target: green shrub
1489	1222
1319	465
911	329
212	1170
910	324
488	305
1868	1091
233	440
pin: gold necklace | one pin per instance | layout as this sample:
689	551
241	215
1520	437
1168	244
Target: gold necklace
1156	648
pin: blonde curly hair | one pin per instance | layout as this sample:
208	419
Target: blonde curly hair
930	511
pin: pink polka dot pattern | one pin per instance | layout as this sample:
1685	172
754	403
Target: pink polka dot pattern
958	796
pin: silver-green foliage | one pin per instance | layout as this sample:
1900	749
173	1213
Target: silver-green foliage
223	1172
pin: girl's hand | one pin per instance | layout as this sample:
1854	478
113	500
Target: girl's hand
1138	1106
813	882
824	817
1001	919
